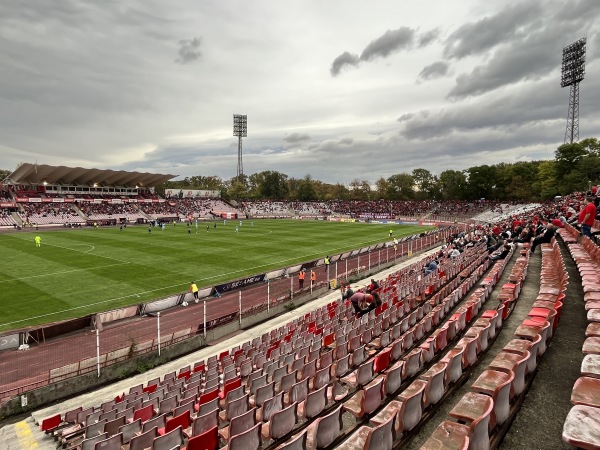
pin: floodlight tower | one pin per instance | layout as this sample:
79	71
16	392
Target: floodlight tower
573	71
240	129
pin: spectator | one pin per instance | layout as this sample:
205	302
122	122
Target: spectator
544	238
587	216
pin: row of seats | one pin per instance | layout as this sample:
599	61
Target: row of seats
480	418
582	425
234	356
467	426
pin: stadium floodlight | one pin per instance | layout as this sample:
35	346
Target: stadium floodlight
240	129
572	73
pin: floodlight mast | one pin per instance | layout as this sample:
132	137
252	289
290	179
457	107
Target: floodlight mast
573	72
240	129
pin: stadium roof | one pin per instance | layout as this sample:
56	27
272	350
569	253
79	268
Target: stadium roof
77	176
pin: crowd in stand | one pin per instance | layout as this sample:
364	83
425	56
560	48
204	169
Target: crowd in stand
100	211
48	213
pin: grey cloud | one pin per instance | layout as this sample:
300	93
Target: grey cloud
525	40
345	59
295	138
518	108
391	41
478	37
435	70
405	117
189	51
534	58
428	37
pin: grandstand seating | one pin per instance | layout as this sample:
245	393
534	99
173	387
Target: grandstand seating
581	425
311	392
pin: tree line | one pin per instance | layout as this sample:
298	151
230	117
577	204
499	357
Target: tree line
575	168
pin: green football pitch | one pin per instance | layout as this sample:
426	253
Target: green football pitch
78	272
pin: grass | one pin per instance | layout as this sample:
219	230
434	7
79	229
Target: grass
80	272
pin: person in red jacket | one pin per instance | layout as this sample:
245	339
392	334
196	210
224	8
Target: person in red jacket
587	216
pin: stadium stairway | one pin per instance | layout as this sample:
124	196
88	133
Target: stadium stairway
24	432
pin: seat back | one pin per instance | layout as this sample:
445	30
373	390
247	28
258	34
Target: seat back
112	443
158	422
315	402
242	422
373	397
284	421
322	377
144	413
90	443
248	440
412	409
381	437
183	421
299	391
95	429
187	406
234	394
263	393
169	440
271	406
130	430
329	428
205	422
208	440
112	427
144	440
237	407
167	405
297	443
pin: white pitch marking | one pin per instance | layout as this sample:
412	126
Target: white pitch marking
63	272
81	251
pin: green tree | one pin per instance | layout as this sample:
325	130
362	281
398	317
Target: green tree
426	184
481	182
306	190
401	187
452	185
381	188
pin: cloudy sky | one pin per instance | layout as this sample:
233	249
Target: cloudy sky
338	89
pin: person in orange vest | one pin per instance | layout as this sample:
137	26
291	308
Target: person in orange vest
301	276
313	277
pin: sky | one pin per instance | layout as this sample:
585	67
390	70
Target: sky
338	89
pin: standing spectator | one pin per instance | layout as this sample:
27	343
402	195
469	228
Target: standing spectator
194	290
301	276
372	286
587	216
347	292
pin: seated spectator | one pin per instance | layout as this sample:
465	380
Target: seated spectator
544	238
501	254
431	267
